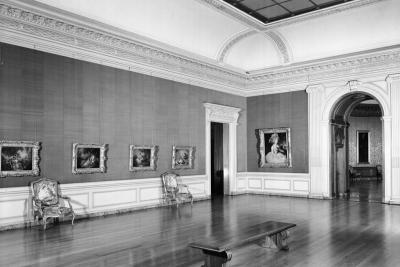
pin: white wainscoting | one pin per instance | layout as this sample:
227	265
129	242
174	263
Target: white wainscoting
96	198
287	184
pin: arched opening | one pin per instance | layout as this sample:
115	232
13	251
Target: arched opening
356	162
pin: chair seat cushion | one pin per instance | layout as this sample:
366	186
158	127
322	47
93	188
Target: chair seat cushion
56	211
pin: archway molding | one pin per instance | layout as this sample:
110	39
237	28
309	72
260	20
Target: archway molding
322	101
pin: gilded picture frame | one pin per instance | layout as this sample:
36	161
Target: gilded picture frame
182	157
275	148
143	158
19	158
88	158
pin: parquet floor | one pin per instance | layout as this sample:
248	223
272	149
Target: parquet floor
328	233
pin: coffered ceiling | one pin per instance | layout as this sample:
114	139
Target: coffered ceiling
267	11
210	40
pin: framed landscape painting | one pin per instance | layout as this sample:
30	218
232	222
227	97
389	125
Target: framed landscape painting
142	158
182	157
88	158
275	149
19	158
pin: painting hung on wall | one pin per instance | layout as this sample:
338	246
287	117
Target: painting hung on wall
19	158
182	157
274	149
142	158
88	158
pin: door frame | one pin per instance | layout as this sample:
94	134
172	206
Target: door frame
222	114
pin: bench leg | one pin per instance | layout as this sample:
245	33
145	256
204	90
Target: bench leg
278	241
215	259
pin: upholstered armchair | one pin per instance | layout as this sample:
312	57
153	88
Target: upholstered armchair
174	191
48	202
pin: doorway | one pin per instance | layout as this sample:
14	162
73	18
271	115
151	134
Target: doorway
219	159
356	149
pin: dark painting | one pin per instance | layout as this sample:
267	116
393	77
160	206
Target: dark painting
88	158
141	157
182	157
16	158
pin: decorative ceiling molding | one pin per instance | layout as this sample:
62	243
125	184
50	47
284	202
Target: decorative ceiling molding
38	28
363	65
256	24
281	45
23	25
232	41
279	42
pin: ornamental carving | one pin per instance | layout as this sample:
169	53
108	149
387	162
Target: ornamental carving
219	113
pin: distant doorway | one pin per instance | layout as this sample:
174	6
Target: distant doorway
357	149
219	159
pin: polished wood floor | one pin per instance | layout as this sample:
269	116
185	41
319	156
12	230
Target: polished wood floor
328	233
366	190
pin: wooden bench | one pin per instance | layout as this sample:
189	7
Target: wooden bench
217	249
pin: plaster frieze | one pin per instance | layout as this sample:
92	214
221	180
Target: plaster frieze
226	114
345	68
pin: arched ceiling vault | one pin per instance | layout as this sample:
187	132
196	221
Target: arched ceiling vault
272	36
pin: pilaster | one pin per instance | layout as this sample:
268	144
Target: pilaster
393	84
317	184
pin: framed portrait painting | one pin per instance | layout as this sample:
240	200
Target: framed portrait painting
142	158
88	158
182	157
275	149
19	158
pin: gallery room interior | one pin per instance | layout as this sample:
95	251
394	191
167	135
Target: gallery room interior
200	133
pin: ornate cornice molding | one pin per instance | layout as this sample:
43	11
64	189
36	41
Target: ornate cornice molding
377	63
36	27
24	25
252	22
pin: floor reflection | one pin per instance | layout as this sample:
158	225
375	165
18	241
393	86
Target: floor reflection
366	190
328	233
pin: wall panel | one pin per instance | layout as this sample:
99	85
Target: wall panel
95	198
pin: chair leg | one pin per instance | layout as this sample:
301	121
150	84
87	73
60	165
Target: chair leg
73	218
44	222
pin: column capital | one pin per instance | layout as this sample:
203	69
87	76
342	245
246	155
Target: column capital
312	88
393	78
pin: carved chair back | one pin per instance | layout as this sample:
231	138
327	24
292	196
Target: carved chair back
170	182
46	191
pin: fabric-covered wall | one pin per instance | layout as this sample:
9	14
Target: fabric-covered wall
374	126
60	101
274	111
